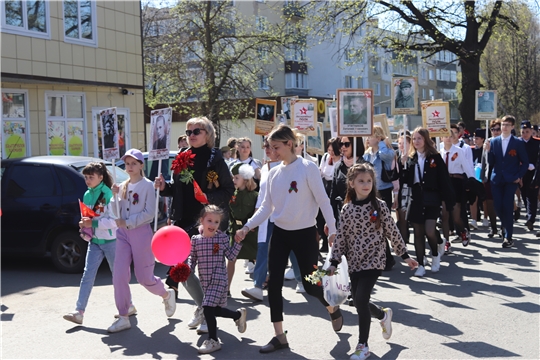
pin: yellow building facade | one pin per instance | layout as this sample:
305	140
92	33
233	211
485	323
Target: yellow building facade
62	63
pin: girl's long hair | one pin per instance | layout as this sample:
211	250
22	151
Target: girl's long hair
99	168
429	146
125	183
350	195
284	134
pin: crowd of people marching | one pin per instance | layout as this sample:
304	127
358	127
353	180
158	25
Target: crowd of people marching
248	209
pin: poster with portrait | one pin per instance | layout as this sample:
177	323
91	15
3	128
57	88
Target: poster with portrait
109	134
14	138
404	97
382	121
304	115
328	104
486	105
286	103
315	144
436	117
160	134
282	119
355	112
265	117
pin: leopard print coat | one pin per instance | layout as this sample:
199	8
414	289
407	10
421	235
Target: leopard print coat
362	244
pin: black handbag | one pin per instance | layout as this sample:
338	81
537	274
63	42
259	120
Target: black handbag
389	175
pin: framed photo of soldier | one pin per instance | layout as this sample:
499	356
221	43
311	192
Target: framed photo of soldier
315	144
265	116
328	104
286	103
109	134
355	112
404	97
304	116
485	105
160	134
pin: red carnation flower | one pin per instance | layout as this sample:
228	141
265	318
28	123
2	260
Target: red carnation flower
180	272
181	165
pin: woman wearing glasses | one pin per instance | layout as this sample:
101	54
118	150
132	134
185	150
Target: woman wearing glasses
212	174
339	180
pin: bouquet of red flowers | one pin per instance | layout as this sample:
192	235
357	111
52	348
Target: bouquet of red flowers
181	164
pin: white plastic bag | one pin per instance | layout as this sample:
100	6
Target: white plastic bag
336	288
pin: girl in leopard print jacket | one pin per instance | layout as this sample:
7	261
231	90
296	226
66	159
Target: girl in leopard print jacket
365	223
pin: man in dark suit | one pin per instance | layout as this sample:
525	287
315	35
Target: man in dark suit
529	189
508	159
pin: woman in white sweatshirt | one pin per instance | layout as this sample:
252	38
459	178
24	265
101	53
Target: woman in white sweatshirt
294	194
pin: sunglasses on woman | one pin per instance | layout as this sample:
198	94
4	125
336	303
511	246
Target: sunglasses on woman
346	144
195	132
495	129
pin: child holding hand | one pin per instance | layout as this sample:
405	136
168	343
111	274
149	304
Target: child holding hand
364	214
208	250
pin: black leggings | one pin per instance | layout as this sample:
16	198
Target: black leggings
362	283
302	243
210	314
428	230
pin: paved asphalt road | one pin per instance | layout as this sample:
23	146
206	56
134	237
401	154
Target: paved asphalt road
484	303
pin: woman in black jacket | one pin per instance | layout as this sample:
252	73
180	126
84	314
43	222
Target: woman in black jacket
427	176
212	175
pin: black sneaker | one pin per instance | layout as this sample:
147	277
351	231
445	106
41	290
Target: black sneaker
507	243
517	213
492	232
530	225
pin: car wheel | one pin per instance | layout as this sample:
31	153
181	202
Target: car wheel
68	252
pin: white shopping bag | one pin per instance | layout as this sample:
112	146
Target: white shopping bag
336	288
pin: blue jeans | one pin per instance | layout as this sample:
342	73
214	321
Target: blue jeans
261	264
94	257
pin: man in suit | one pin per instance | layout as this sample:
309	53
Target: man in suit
529	189
507	157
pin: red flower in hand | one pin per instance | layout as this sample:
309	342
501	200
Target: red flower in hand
180	272
181	165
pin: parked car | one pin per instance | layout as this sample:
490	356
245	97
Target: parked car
40	208
151	171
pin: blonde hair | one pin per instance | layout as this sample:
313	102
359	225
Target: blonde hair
379	133
125	183
207	126
284	134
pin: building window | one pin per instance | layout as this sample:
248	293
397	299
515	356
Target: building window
376	89
66	125
423	93
430	74
28	18
263	54
348	82
295	53
261	23
80	22
296	81
388	111
386	90
15	121
423	73
264	82
360	81
375	66
386	67
377	110
431	94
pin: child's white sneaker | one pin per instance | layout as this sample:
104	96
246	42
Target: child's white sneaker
120	324
361	353
170	303
75	317
131	311
386	323
198	318
241	322
420	272
209	346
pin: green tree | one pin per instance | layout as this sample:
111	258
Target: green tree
511	64
201	54
463	28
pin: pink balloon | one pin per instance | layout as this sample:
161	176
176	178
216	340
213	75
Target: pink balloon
171	245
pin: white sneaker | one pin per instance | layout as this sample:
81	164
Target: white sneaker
75	317
250	267
202	329
246	263
170	303
253	293
436	262
485	222
440	248
420	272
361	353
289	275
474	224
241	323
131	311
300	288
426	262
120	324
386	324
209	346
198	318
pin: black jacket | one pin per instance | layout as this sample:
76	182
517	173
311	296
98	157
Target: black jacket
435	177
338	188
217	196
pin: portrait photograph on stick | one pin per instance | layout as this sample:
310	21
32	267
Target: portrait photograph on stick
109	134
160	133
486	105
404	96
355	112
265	116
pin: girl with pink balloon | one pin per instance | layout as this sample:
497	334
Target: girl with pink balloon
208	250
137	201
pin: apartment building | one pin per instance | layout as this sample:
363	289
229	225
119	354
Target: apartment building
63	62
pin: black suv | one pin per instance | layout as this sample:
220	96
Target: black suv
40	208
